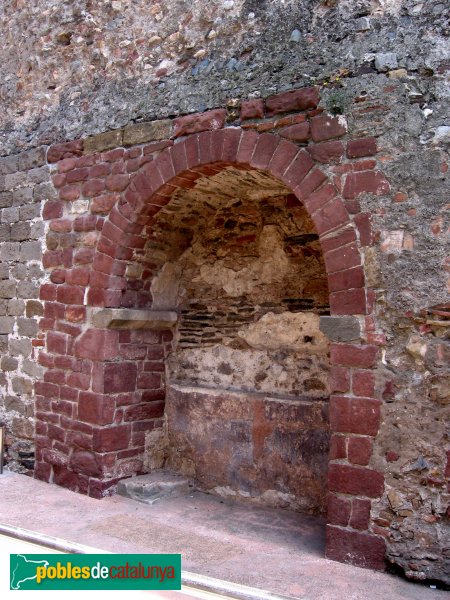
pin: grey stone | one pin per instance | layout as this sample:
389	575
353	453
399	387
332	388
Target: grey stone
10	215
31	159
7	289
44	191
36	176
30	251
8	164
127	318
3	307
8	363
30	211
151	488
296	36
16	307
31	368
441	135
19	271
10	251
15	180
5	232
362	24
385	61
20	347
22	196
16	404
6	199
3	343
6	324
34	308
340	329
35	271
22	386
27	290
27	327
20	232
4	271
103	141
37	230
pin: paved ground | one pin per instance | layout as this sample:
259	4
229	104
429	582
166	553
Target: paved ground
279	551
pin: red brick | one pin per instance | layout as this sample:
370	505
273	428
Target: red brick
69	193
83	256
312	181
70	294
346	280
320	197
356	548
113	155
363	383
96	408
350	355
93	187
149	381
142	412
325	127
207	121
360	514
355	415
338	510
303	99
359	450
327	152
98	344
252	109
231	141
73	481
48	390
76	175
339	379
104	298
61	225
48	292
53	209
298	169
246	147
362	147
282	158
335	240
179	159
349	302
79	381
296	133
85	223
120	377
112	438
56	342
330	216
58	276
365	181
338	447
363	223
88	463
77	276
264	150
117	183
342	258
65	150
192	151
357	481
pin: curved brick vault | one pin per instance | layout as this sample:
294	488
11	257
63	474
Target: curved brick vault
88	438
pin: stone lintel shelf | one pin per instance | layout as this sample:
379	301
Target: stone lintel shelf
127	318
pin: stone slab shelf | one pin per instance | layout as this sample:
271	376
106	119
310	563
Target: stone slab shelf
127	318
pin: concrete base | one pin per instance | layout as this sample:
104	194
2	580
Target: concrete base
275	550
154	486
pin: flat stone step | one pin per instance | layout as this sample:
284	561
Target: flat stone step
130	318
154	486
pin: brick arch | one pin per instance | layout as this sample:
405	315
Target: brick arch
107	430
200	154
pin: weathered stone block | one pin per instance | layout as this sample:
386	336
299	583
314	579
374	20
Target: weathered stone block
340	329
8	363
147	132
6	324
7	289
103	141
154	486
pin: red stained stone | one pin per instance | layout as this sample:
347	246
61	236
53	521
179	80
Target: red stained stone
117	183
325	127
327	152
53	209
69	193
339	510
119	377
252	109
338	447
296	133
355	415
93	187
112	438
363	383
365	181
207	121
359	450
96	408
65	150
350	355
362	147
294	100
264	151
346	280
357	481
98	344
339	379
356	548
342	258
298	169
349	302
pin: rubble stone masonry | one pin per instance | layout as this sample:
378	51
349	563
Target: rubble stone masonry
164	156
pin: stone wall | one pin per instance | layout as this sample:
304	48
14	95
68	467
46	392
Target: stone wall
128	74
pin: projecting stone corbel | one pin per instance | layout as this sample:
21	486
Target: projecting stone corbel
127	318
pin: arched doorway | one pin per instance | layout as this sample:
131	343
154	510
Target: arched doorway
121	397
